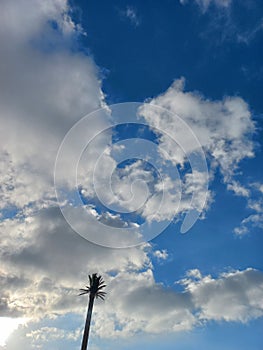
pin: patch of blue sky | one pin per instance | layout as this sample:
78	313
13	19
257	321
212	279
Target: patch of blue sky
8	213
133	130
210	245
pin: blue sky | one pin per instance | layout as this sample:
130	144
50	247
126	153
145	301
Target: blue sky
200	60
171	41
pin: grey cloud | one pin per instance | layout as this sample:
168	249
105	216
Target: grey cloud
53	260
149	307
54	246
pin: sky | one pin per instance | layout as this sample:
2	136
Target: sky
131	146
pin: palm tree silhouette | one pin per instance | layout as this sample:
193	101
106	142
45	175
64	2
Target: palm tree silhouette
96	284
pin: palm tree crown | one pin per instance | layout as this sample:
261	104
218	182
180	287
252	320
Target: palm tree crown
96	284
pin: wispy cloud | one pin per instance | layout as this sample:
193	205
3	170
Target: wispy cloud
131	14
226	26
255	218
247	36
205	4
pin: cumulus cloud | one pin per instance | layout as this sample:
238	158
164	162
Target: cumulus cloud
161	254
42	287
45	88
223	128
42	247
234	296
150	307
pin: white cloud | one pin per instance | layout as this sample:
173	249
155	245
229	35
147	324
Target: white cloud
194	273
238	189
223	128
161	254
129	186
45	88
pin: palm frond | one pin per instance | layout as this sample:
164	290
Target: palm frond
84	291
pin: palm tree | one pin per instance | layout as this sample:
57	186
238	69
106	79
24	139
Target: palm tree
96	284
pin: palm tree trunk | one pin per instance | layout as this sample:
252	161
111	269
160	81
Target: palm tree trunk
85	339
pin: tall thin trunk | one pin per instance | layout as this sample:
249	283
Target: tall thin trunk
85	339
